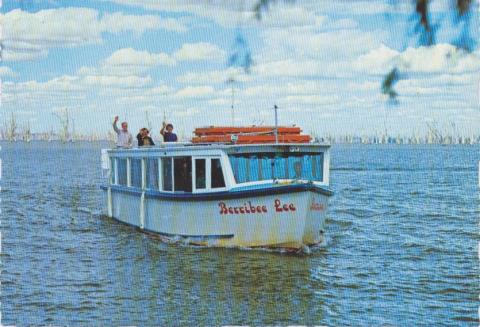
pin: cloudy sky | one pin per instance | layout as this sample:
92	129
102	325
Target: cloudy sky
321	62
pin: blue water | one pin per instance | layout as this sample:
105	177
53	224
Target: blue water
401	249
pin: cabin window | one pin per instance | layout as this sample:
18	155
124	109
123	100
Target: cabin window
257	167
152	173
167	181
267	167
280	166
136	172
217	174
317	166
200	174
308	167
253	171
121	171
239	165
182	170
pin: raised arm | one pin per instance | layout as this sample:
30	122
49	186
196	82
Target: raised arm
115	128
162	131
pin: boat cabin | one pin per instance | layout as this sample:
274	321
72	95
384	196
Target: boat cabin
200	168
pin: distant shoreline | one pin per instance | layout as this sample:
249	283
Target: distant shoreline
112	143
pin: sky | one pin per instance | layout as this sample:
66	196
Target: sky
321	62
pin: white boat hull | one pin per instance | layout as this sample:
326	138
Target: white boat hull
288	220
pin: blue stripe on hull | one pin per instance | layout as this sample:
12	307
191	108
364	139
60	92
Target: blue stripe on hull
283	189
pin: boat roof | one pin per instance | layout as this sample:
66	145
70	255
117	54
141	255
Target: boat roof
228	148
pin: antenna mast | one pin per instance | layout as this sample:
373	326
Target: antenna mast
149	123
276	123
231	81
233	109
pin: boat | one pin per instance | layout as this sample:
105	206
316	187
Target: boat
233	190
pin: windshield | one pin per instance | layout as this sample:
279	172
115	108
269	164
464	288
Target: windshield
258	166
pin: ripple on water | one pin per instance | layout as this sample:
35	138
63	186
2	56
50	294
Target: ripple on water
356	212
400	249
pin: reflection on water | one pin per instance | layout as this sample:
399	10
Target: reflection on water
401	249
221	286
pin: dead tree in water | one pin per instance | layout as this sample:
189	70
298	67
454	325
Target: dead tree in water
11	128
27	134
64	118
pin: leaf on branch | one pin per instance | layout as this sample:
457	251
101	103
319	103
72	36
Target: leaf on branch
241	55
463	17
263	5
389	82
463	6
424	27
422	10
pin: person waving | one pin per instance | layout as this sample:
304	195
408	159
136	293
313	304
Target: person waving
124	138
167	133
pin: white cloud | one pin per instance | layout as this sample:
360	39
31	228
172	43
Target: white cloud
195	92
117	81
214	76
119	22
199	51
302	69
376	61
311	99
121	76
67	89
152	95
344	23
229	12
287	88
159	90
58	90
323	44
457	79
7	72
363	7
130	61
291	68
27	36
187	112
440	58
220	102
125	68
62	84
407	88
300	18
224	13
282	16
363	86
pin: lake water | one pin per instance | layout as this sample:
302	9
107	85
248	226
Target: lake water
402	238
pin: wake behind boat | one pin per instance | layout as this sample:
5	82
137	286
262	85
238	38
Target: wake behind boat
229	187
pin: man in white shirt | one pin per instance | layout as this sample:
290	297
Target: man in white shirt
124	138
